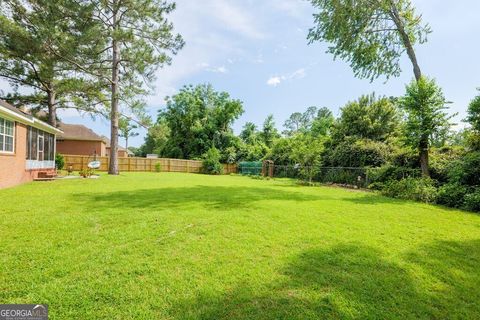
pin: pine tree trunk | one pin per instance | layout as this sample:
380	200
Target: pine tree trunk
113	167
52	108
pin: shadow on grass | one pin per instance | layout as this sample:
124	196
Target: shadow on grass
351	281
215	197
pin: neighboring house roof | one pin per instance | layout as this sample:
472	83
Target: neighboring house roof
15	114
78	132
107	141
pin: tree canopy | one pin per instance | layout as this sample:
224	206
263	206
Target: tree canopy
425	105
368	118
371	35
199	118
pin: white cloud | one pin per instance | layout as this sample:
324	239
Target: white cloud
221	69
274	81
297	74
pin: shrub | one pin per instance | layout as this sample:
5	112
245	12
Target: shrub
359	153
452	195
59	161
472	201
466	170
86	173
211	162
389	172
442	160
406	158
340	175
158	167
418	189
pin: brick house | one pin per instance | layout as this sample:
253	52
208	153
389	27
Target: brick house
122	152
79	140
27	147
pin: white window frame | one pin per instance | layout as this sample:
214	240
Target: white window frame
41	135
7	135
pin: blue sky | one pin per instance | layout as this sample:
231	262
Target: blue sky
258	52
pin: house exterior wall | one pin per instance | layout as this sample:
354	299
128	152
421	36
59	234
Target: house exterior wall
13	166
121	153
81	147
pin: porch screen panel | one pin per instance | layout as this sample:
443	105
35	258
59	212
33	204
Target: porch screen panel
33	143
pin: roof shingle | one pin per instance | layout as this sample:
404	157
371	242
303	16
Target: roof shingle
78	132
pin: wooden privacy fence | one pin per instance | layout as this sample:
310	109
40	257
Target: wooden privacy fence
143	164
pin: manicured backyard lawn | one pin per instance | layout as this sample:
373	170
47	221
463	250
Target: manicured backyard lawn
185	246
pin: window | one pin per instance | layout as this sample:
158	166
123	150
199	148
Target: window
40	145
7	137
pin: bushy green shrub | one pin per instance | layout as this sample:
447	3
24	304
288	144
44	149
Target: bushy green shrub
472	201
442	160
466	170
418	189
386	173
405	158
340	175
59	161
452	195
211	162
358	153
158	167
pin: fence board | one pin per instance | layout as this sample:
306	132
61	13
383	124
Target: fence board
133	164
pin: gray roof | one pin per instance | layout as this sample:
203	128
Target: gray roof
78	132
8	106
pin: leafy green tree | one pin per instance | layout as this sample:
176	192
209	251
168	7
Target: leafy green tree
323	123
198	118
127	129
211	161
156	139
368	118
302	122
28	29
307	152
269	132
249	133
473	113
281	151
371	35
425	105
294	123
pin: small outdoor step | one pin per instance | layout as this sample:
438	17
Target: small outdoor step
43	179
43	176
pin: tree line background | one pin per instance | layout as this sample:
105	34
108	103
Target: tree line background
100	57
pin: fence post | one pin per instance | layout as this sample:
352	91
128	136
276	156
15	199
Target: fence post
129	165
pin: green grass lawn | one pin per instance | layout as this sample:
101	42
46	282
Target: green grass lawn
186	246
